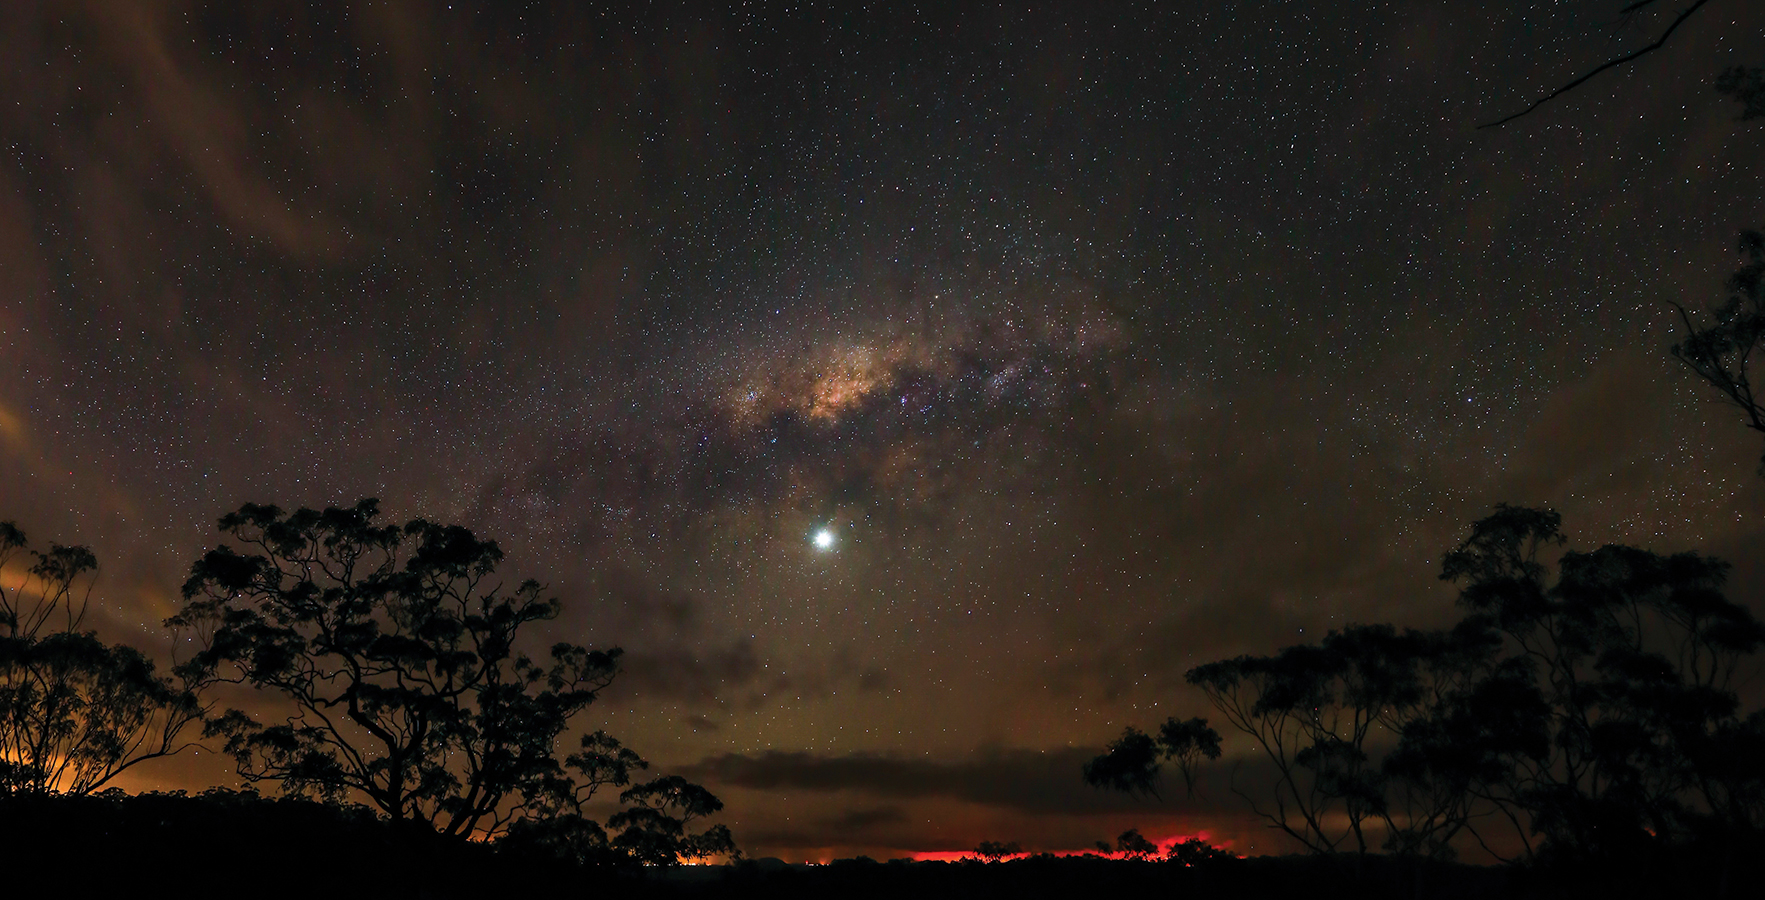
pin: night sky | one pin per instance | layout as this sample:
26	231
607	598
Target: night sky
1103	340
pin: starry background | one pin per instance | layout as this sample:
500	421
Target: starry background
1107	339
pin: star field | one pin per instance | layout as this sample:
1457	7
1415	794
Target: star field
1100	342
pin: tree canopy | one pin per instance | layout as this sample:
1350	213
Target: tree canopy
1723	346
1582	711
398	652
75	712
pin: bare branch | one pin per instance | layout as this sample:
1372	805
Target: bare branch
1609	64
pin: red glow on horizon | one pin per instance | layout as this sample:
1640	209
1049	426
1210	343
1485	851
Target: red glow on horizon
946	855
1164	845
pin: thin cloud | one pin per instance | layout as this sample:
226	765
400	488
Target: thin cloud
1042	782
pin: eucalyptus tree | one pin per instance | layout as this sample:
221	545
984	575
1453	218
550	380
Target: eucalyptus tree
75	712
1133	762
1586	707
395	668
1613	720
1314	713
1724	345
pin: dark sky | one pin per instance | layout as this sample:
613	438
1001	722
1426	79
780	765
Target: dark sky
1106	339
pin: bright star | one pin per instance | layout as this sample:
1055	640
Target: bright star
824	539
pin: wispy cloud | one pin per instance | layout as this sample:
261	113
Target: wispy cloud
1030	781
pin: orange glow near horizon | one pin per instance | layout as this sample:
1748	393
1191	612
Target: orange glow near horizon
1164	845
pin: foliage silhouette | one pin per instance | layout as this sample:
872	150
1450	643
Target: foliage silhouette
1130	764
1310	711
1134	845
75	712
1197	852
653	829
1745	86
398	651
1618	683
1133	762
994	851
1590	713
1722	349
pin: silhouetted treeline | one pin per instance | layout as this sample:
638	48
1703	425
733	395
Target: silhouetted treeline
229	843
1072	877
1583	718
395	659
232	842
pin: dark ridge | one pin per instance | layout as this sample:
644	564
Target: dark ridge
236	843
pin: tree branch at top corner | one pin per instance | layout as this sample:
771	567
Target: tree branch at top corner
1608	64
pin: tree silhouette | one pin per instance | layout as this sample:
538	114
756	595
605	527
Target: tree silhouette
653	829
1592	707
1724	347
994	851
397	652
1187	743
1311	710
1611	720
1129	765
1134	846
1132	763
1745	86
1196	852
1276	701
75	712
1428	775
1314	712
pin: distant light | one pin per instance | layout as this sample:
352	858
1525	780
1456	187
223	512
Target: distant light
824	539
